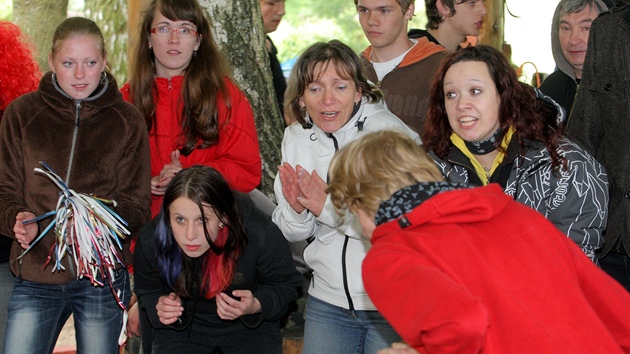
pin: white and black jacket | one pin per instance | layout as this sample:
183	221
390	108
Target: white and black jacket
336	249
574	199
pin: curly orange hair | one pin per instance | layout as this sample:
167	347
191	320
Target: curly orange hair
19	73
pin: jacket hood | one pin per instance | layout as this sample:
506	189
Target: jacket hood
408	198
423	49
558	57
468	205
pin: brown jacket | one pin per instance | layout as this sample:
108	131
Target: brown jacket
406	87
111	160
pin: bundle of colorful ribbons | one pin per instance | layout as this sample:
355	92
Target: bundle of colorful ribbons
86	230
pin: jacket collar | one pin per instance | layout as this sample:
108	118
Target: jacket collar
348	130
65	105
408	198
456	206
421	50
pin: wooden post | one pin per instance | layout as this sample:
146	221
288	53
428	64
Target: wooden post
133	12
493	25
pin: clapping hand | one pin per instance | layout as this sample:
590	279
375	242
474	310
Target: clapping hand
302	190
160	182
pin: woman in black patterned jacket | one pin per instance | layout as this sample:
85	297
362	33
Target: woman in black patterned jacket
484	126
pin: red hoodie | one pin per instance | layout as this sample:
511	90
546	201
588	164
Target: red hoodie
476	272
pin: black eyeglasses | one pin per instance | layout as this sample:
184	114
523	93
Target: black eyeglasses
166	32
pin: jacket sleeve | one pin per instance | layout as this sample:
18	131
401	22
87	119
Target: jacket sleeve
440	316
133	191
147	283
294	226
348	223
11	170
238	153
279	279
578	205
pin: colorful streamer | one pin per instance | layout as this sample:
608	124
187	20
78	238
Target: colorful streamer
87	231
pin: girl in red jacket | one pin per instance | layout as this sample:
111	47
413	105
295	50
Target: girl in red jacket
195	113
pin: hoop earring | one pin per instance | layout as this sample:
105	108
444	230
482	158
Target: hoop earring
194	53
103	77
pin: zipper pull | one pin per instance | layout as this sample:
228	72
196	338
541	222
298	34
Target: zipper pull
78	113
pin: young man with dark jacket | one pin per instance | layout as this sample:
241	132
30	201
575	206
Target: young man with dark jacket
400	67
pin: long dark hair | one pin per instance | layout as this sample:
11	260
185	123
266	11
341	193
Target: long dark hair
204	78
531	118
203	185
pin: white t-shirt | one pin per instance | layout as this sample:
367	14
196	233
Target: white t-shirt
383	68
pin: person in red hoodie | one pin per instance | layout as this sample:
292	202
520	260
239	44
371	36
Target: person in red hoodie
462	269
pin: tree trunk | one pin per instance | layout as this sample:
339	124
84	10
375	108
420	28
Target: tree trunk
111	17
38	18
133	21
237	27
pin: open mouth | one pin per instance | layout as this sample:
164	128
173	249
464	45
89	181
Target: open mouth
329	115
467	121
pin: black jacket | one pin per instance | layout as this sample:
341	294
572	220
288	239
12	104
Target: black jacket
265	267
573	199
279	82
562	88
600	120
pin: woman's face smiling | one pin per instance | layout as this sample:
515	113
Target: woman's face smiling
471	100
188	226
330	99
